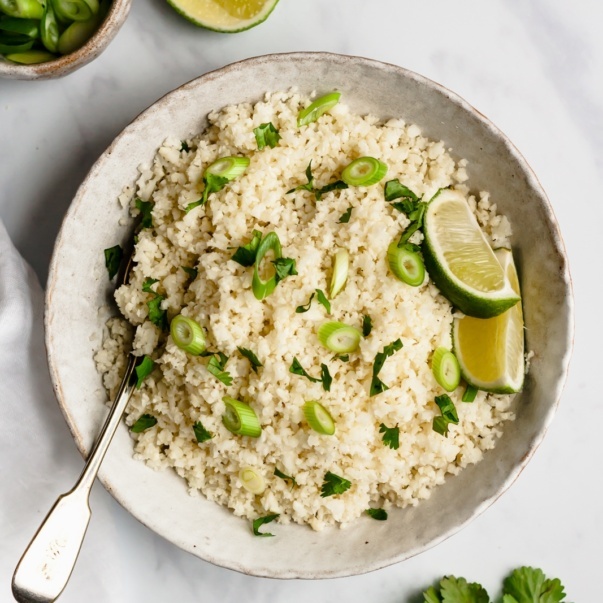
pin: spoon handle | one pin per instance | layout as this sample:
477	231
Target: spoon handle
47	563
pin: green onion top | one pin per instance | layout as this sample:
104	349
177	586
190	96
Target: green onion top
317	108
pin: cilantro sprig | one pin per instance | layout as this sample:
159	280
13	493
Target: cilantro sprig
377	386
266	135
334	484
260	521
318	191
391	436
325	377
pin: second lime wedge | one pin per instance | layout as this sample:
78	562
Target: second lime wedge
460	260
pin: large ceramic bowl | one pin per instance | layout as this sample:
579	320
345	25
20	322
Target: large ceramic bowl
78	286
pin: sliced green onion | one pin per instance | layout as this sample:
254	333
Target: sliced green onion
25	27
187	335
317	108
319	418
22	9
228	167
470	394
262	289
240	419
338	337
30	57
446	369
341	266
49	29
364	171
76	35
406	264
72	10
252	481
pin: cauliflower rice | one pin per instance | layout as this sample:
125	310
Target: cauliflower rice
181	391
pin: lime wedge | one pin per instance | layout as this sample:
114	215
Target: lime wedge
460	260
227	16
490	351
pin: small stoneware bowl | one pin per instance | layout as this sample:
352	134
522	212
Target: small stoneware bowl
78	287
69	63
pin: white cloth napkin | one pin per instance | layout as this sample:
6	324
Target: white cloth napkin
39	459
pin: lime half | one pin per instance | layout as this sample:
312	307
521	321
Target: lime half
460	260
490	351
227	16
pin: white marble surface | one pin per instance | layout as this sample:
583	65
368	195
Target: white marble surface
532	66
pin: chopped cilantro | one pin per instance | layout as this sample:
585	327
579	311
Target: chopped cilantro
367	325
253	359
146	209
306	307
333	484
318	192
157	315
201	434
184	146
148	283
391	436
325	377
192	272
192	205
284	267
395	190
377	386
345	217
113	257
309	186
378	514
143	423
284	476
449	415
245	255
266	135
143	369
333	186
260	521
343	357
216	366
322	299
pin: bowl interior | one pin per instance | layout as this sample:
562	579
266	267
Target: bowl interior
116	17
78	286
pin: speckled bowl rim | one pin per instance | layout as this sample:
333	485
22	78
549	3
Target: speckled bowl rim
69	63
565	277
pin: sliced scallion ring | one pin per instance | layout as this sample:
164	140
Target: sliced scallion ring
406	265
252	481
364	171
341	266
446	369
338	337
319	418
262	289
228	167
240	419
317	108
187	334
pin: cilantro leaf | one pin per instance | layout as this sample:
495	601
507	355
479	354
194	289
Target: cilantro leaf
113	257
266	135
391	436
284	476
440	425
333	484
395	190
145	208
216	366
143	423
260	521
157	315
297	369
343	357
378	514
253	359
377	386
148	283
322	299
192	205
201	434
458	590
192	272
143	369
213	184
184	146
367	325
325	377
333	186
309	186
284	267
530	585
306	307
431	596
245	255
345	217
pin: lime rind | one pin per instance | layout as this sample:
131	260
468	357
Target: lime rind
506	328
497	294
221	24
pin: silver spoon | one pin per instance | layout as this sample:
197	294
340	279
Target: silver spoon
46	565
